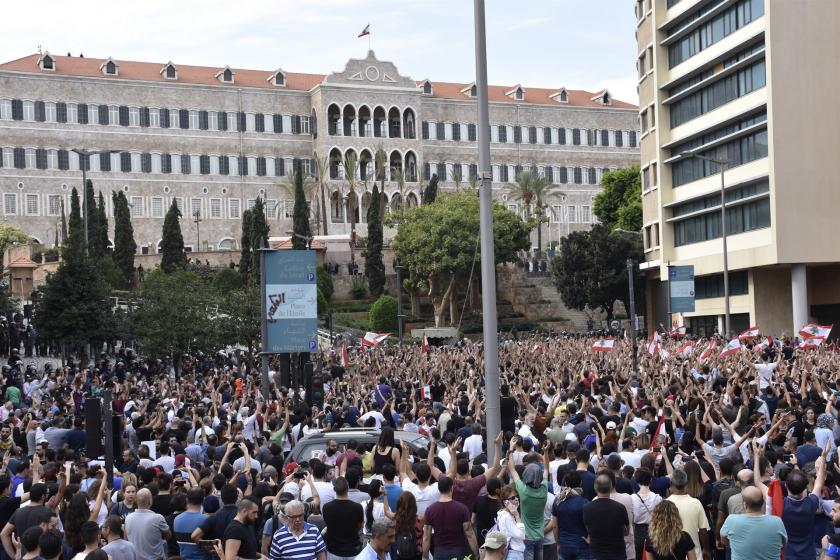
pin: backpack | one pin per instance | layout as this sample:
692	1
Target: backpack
406	543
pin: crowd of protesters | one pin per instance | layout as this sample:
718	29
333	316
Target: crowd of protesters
722	457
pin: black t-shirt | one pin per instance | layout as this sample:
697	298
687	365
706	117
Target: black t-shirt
214	526
8	506
605	521
245	536
343	518
485	510
27	517
162	504
681	550
507	409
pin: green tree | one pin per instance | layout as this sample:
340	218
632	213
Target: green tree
74	247
430	194
90	212
374	267
174	315
534	189
383	314
173	255
350	163
8	304
102	226
259	237
591	269
240	312
325	282
245	246
444	265
301	215
619	204
323	304
11	235
124	245
322	168
227	280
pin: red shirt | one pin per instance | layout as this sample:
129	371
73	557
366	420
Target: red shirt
447	519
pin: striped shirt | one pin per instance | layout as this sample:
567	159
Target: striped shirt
285	545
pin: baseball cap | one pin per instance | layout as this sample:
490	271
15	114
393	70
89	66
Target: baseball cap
494	540
611	425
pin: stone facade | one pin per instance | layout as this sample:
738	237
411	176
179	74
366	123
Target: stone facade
222	120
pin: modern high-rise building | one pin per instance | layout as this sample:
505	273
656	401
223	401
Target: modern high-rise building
751	83
214	139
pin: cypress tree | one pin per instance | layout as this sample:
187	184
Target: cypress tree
124	245
173	241
102	225
94	247
74	248
245	247
374	267
430	194
301	214
259	237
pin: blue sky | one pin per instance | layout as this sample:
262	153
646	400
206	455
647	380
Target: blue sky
585	44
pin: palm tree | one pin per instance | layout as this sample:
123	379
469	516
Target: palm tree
310	187
323	171
380	159
532	188
351	166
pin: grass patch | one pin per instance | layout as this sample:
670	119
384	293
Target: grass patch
352	306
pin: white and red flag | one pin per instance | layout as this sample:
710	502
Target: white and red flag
733	347
424	347
686	349
763	344
653	345
812	330
663	353
365	31
604	345
427	392
345	356
707	353
811	342
374	339
677	332
752	332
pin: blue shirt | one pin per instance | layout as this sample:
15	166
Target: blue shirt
285	546
754	537
798	517
183	526
569	514
393	491
368	553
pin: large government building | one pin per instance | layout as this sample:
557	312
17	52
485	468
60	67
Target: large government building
215	139
747	85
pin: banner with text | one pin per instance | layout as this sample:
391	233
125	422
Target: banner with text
291	301
681	284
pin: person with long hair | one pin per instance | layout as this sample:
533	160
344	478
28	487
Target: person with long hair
386	452
374	507
666	538
408	531
510	523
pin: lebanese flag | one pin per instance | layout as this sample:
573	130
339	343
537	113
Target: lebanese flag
733	347
365	31
660	431
424	347
677	332
664	354
604	345
811	342
751	332
764	344
374	339
426	392
687	349
345	356
812	330
707	353
653	345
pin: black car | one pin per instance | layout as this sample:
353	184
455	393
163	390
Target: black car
315	444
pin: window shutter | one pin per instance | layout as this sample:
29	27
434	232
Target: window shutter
145	120
295	124
561	136
125	162
19	157
632	138
224	165
243	165
186	164
456	131
295	162
532	135
204	164
503	173
592	176
203	120
549	174
63	160
259	122
146	163
517	171
473	171
502	134
40	111
564	175
427	171
576	136
105	162
441	171
471	132
103	115
84	162
41	158
605	137
183	119
547	135
164	118
517	134
261	166
278	123
123	115
240	121
425	127
222	118
61	112
279	165
440	132
619	139
166	163
17	109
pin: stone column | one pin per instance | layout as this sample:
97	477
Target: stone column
799	296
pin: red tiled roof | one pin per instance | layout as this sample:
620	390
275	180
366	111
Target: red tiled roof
22	262
205	75
317	245
150	72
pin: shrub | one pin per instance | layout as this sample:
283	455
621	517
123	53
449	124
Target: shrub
359	288
323	306
227	280
325	283
383	314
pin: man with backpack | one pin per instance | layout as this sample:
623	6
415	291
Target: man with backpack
344	519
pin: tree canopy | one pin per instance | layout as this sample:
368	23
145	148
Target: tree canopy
438	242
124	245
301	215
591	269
619	204
11	235
374	267
173	255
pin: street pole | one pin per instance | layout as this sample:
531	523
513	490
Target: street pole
630	271
84	195
399	301
108	418
264	323
725	252
488	258
197	220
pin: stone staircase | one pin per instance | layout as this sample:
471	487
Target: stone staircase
537	299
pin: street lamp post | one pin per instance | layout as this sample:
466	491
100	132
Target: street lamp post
399	268
197	220
723	164
630	271
84	164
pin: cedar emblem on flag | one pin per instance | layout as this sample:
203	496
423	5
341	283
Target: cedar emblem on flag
707	353
733	347
811	342
812	330
365	31
604	345
751	332
426	393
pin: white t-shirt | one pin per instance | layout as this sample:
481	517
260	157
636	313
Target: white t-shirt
473	446
325	492
375	414
424	496
552	471
765	373
631	458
